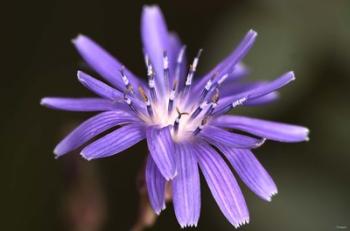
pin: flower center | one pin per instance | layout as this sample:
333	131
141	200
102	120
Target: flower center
174	103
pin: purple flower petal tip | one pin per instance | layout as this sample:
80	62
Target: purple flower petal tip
290	76
185	225
307	134
79	38
243	221
85	156
57	152
80	75
273	194
152	8
252	33
44	101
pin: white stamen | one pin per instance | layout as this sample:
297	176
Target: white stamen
181	54
239	102
166	70
146	59
149	70
165	61
203	105
196	59
124	78
172	95
208	85
193	68
127	100
151	83
222	79
189	79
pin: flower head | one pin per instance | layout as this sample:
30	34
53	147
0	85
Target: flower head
181	118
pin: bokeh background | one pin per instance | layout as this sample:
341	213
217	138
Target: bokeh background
310	37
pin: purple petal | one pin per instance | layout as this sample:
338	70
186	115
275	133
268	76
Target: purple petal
155	186
233	87
115	142
250	171
186	186
272	86
102	62
263	128
255	93
222	185
269	98
162	149
239	71
229	63
99	87
236	73
175	46
91	128
81	104
155	40
216	135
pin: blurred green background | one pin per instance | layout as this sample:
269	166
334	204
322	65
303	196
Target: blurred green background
310	37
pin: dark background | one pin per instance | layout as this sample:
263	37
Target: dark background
310	37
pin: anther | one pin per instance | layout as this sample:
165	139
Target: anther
166	70
198	110
179	62
181	54
146	58
128	101
126	81
238	102
193	68
207	87
220	81
151	82
146	100
150	72
231	106
214	102
172	97
201	126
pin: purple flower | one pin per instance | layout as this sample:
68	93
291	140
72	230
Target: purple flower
182	120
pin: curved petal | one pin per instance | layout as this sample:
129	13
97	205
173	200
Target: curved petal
155	186
222	185
162	150
186	186
239	71
228	64
232	87
272	86
216	135
91	128
155	40
81	104
269	98
263	128
175	46
255	93
99	87
115	142
103	62
250	171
